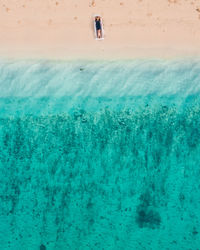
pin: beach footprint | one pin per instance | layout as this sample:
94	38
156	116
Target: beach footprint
50	22
92	4
173	1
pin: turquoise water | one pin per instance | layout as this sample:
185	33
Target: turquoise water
100	155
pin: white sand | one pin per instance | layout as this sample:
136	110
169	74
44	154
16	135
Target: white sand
63	29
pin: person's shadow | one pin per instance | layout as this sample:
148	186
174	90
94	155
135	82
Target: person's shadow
92	26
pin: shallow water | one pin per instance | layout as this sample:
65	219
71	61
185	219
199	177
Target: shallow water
100	155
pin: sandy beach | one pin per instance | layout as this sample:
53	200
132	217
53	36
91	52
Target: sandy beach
63	29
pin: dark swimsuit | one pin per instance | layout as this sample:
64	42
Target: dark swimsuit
98	25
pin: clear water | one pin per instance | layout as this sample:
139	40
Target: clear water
100	155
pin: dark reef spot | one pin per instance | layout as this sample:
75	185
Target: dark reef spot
147	217
42	247
91	222
84	120
181	197
89	205
194	232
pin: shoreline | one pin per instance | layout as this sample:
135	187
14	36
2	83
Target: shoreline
79	60
107	55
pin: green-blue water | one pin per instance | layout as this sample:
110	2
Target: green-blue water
100	155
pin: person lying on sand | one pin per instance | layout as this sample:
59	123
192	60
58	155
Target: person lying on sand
98	26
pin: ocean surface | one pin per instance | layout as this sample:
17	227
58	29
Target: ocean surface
100	155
